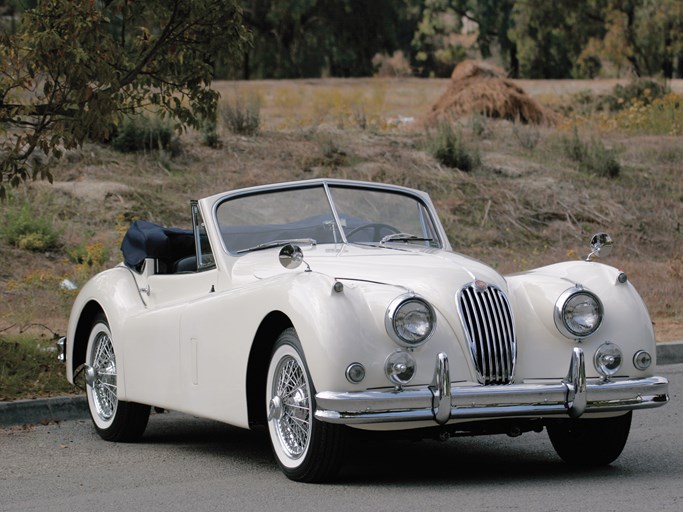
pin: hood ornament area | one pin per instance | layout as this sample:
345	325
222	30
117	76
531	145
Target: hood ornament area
601	246
291	256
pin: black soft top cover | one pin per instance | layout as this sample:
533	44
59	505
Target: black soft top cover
147	240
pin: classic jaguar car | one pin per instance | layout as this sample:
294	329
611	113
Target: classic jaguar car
322	308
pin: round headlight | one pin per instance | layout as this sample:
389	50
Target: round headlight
578	313
410	321
607	359
400	367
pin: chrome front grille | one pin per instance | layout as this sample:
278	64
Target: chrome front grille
487	319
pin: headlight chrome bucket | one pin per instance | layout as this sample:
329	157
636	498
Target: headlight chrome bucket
410	320
578	313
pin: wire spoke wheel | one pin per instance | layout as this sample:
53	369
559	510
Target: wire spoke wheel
306	449
104	368
114	420
294	424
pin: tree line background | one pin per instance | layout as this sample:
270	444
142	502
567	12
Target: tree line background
530	38
72	70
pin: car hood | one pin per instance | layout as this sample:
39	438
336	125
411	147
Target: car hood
422	270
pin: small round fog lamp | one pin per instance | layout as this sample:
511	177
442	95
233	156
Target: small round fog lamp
642	360
400	367
355	373
608	359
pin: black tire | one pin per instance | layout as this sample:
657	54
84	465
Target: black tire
114	420
590	442
306	449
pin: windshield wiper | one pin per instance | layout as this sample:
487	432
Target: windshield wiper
278	243
404	237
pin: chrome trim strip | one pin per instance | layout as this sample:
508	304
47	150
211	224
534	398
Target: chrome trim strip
572	397
61	349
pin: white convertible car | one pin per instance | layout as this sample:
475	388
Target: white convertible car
321	308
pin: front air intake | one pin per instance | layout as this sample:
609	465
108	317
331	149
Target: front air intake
487	320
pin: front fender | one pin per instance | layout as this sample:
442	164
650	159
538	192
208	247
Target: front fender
337	328
542	348
113	292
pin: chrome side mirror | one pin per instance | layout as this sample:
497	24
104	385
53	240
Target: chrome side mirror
601	246
291	256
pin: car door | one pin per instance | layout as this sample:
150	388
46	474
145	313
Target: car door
153	351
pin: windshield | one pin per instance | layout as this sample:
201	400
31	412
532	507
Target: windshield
305	215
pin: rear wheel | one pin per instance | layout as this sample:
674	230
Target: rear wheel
590	442
114	420
307	450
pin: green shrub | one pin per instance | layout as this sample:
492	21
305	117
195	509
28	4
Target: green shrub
242	117
26	230
528	136
643	90
592	157
446	144
209	133
142	133
29	368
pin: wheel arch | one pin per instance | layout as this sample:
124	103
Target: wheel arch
257	367
80	341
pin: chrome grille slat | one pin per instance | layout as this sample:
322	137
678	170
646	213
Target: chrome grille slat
487	320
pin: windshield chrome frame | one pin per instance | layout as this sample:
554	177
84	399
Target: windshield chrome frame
327	184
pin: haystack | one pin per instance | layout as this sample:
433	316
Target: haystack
480	88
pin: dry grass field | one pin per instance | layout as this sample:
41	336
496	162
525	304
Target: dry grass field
526	204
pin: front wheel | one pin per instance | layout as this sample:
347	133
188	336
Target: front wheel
590	442
114	420
306	449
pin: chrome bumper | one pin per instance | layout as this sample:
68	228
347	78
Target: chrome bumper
440	402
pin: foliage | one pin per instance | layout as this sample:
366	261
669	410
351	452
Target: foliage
662	116
446	144
436	50
73	69
29	368
592	157
639	108
24	229
143	133
312	38
643	90
242	116
396	65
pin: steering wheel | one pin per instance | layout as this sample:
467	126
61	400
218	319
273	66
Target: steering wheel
377	228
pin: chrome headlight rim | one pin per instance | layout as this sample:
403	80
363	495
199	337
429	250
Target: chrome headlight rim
393	316
561	312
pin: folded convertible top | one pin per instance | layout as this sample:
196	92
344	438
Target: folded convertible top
147	240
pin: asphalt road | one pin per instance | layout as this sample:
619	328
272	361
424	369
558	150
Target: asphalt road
184	463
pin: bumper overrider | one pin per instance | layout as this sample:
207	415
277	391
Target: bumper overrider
442	402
